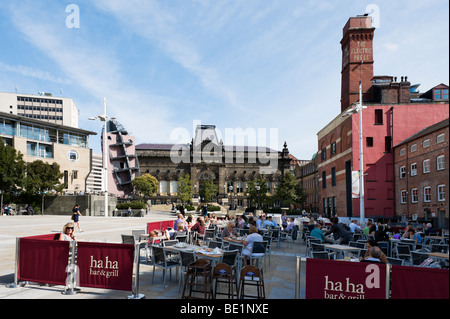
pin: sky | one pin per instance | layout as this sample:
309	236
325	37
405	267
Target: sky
268	68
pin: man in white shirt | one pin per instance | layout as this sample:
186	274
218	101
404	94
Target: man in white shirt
354	225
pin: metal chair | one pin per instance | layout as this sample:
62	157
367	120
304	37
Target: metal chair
259	247
439	248
403	252
395	261
214	244
186	258
320	255
160	260
417	258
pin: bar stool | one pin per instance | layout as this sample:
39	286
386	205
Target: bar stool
201	268
223	273
252	276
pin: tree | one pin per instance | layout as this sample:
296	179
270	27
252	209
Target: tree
146	185
185	191
42	177
12	169
288	190
209	190
259	197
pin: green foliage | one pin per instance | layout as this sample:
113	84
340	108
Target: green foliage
42	177
133	204
185	190
209	190
254	194
289	192
12	169
146	185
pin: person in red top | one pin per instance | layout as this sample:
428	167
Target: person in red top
199	228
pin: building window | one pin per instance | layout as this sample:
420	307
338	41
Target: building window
403	152
378	117
413	169
72	156
437	94
445	94
403	197
427	194
441	193
440	162
426	166
324	154
414	195
440	138
324	180
173	186
162	187
239	187
413	148
333	148
333	176
388	144
426	143
369	141
403	172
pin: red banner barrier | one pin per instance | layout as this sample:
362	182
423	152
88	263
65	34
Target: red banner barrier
108	266
153	226
43	260
166	224
419	283
328	279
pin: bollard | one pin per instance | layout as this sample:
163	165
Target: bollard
137	260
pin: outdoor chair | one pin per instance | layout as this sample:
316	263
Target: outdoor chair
259	247
251	276
275	234
269	245
439	248
160	260
186	258
182	238
320	255
395	261
240	257
214	244
224	274
417	258
403	252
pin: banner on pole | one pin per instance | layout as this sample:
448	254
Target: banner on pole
355	184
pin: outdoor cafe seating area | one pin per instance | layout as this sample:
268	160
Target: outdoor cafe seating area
209	266
187	258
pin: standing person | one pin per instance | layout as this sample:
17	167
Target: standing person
30	210
76	216
129	211
340	230
284	221
354	225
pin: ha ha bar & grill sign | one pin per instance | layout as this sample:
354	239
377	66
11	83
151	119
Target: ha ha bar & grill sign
327	279
108	266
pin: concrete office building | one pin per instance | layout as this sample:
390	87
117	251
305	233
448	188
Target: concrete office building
44	107
51	143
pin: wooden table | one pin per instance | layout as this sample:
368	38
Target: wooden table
439	255
341	249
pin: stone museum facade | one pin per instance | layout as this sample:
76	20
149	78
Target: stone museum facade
207	158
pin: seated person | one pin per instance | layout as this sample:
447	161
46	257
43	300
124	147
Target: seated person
369	245
229	231
318	233
268	223
248	243
374	255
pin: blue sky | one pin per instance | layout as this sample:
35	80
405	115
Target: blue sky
165	66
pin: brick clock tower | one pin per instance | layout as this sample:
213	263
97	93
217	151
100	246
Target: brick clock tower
357	60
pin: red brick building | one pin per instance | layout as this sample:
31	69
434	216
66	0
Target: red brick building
394	111
422	175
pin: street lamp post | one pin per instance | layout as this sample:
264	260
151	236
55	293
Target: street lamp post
104	118
258	188
358	109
